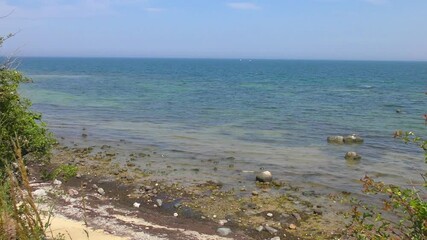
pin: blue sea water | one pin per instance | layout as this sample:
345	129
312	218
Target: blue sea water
271	114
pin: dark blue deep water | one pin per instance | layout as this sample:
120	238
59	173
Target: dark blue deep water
265	113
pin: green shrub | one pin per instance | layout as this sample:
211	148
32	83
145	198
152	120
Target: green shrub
17	121
64	172
404	211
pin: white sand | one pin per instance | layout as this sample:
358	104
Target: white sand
75	230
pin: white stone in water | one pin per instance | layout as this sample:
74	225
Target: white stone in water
275	238
159	202
269	214
135	204
175	214
265	176
352	156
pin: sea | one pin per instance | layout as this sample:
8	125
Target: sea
226	119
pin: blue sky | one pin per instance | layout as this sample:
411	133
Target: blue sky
278	29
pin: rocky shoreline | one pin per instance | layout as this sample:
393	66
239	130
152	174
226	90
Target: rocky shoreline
128	200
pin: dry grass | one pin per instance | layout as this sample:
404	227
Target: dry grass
19	216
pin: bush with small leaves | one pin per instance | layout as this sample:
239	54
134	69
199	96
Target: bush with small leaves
17	121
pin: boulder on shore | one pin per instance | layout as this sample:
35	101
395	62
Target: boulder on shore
265	176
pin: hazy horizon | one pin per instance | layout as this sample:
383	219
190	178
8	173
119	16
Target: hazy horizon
218	58
355	30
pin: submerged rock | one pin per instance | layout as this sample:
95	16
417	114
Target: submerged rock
271	230
352	156
350	139
353	139
265	176
335	139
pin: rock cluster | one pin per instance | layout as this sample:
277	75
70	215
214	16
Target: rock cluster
350	139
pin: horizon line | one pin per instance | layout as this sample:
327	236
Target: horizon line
227	58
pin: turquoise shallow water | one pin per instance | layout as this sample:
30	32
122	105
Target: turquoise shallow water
269	114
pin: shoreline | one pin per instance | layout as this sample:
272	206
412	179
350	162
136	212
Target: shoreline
166	208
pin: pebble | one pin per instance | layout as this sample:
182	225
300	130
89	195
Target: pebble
101	191
135	204
39	193
214	216
297	216
159	202
275	238
310	193
259	229
223	231
269	215
317	212
255	193
73	192
222	222
57	182
292	226
175	214
270	229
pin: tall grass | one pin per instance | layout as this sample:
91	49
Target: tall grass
19	216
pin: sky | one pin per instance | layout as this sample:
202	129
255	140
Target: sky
267	29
